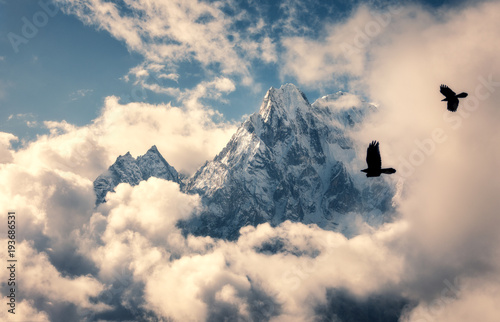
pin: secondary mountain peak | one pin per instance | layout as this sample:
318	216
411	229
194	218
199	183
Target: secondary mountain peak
127	169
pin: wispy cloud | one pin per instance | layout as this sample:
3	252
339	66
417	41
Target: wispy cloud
4	88
78	94
172	32
292	11
28	119
340	51
155	77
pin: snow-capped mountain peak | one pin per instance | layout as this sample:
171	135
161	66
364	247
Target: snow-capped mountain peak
289	161
284	101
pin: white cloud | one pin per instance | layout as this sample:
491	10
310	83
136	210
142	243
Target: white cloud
340	51
444	159
291	12
215	277
54	205
211	90
268	48
179	31
5	144
25	311
4	86
171	76
186	137
197	278
38	279
189	277
156	219
28	119
80	93
343	101
477	299
170	34
49	182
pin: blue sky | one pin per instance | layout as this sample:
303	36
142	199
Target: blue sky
65	71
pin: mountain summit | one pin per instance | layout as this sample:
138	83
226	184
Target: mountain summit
289	161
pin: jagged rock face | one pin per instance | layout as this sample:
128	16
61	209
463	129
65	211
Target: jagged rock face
289	161
126	169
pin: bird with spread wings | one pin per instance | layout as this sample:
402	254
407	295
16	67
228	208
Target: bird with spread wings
374	162
451	97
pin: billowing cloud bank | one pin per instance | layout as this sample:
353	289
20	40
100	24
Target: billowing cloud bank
126	259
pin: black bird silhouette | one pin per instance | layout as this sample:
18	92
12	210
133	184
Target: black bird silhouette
374	162
451	97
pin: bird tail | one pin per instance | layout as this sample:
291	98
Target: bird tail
388	170
462	95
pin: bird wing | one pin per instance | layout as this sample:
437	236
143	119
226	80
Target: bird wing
446	91
373	159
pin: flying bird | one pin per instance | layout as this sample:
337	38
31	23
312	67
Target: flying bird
374	162
451	97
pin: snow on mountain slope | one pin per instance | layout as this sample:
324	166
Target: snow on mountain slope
132	171
289	161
